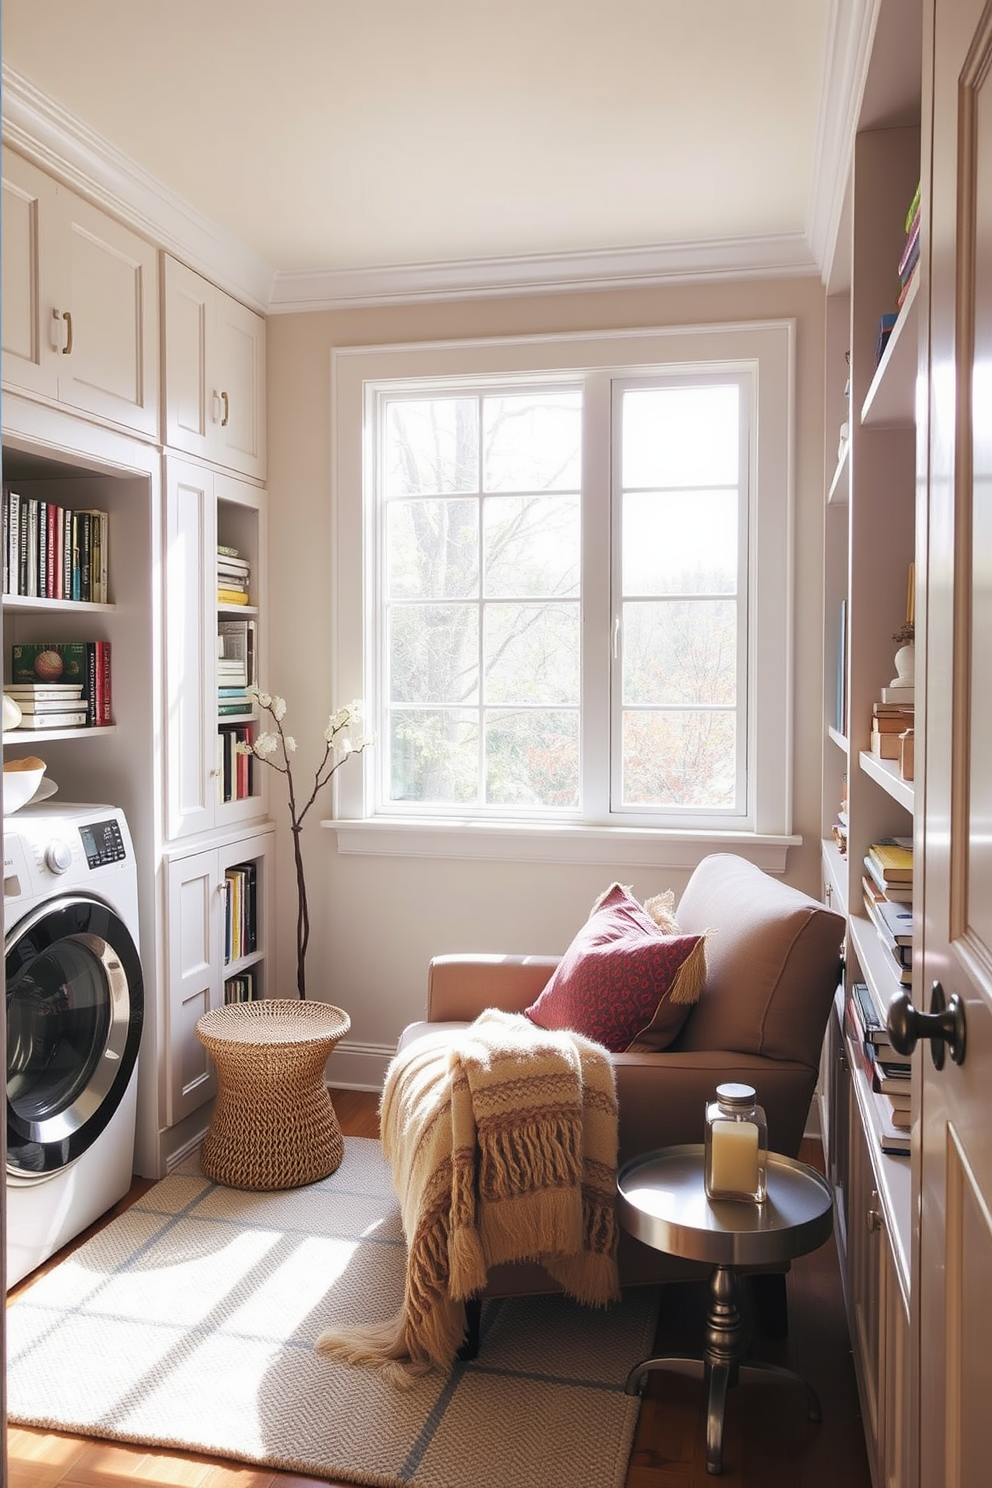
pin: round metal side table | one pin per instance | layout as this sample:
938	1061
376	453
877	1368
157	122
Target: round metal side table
273	1125
663	1203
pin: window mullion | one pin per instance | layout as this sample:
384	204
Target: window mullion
597	588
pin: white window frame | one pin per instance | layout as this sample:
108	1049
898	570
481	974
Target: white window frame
767	350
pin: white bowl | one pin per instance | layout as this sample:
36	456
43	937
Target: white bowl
21	778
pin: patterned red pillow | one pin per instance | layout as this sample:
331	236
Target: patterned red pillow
621	981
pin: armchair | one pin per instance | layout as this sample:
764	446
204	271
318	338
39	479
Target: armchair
772	966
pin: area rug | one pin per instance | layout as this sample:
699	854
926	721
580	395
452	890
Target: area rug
190	1322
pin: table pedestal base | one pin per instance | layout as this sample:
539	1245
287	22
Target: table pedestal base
722	1365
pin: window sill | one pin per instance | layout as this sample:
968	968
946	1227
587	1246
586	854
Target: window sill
595	846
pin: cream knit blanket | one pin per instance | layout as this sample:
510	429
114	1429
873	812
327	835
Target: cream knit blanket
503	1142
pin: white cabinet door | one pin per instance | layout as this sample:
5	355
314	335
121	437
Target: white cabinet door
199	962
80	302
30	360
240	376
190	646
214	373
195	941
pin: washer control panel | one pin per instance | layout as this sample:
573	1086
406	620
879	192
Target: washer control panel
102	842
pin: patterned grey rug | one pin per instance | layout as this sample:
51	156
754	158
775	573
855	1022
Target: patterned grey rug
190	1321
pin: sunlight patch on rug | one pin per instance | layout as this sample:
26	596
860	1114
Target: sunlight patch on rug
190	1322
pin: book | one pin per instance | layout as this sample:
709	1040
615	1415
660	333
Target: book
897	1086
48	661
870	1018
897	920
77	718
30	706
911	251
892	1139
236	649
898	890
886	323
903	695
892	718
43	689
893	859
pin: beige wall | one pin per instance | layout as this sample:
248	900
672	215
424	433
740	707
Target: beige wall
376	921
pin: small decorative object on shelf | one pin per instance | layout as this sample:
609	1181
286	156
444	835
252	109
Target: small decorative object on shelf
275	749
905	657
736	1145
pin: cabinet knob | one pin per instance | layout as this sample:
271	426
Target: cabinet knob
943	1025
227	411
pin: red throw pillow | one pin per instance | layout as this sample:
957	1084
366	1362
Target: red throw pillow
621	981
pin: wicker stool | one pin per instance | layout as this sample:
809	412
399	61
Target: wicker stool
273	1124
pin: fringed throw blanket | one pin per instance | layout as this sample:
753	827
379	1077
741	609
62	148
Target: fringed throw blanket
503	1142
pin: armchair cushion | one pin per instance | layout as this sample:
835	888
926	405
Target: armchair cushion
622	982
772	962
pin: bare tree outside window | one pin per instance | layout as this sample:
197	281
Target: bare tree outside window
481	543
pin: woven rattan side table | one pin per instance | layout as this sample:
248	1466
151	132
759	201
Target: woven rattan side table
273	1124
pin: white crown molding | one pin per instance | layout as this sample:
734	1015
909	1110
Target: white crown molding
850	26
41	129
782	255
38	127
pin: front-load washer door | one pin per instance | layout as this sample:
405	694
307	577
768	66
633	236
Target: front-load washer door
75	1004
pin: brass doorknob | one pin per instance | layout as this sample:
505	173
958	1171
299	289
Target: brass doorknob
943	1025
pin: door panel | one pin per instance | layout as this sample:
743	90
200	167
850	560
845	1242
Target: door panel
952	1299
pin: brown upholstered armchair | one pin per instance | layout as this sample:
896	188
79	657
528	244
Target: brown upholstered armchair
772	966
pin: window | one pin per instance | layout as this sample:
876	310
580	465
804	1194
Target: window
573	597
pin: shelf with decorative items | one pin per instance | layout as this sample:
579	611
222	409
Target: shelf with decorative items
872	342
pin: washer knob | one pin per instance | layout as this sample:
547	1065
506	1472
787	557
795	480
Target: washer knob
58	856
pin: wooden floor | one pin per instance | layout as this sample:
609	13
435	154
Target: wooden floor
768	1442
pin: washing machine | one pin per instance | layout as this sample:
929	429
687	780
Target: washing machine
75	1005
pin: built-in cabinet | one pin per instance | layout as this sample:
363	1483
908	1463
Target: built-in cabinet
80	303
205	507
149	406
215	373
206	958
870	541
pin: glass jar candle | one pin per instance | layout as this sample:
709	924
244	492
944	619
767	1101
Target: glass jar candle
736	1147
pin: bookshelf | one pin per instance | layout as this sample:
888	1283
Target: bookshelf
870	516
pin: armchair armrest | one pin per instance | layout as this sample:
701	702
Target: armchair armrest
460	987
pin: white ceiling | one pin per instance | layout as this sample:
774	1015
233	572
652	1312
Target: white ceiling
351	143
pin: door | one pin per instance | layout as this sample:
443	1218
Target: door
239	363
952	1295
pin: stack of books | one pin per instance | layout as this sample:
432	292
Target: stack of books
911	252
83	664
50	704
888	1073
889	721
889	865
894	922
232	577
